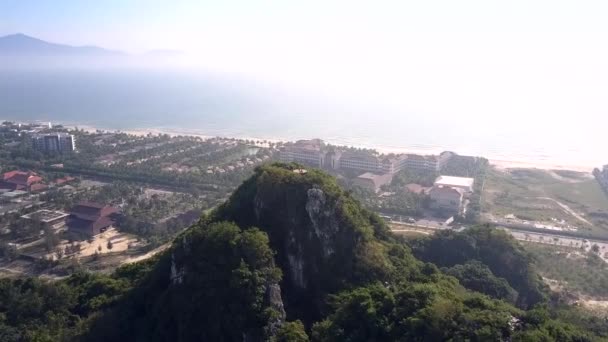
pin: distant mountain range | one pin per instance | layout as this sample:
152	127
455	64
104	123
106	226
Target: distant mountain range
22	45
19	51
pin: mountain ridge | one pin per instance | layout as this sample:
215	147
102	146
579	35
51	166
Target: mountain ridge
292	257
22	44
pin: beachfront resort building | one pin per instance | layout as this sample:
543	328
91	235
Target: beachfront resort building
462	183
427	163
307	152
317	154
54	143
373	181
371	162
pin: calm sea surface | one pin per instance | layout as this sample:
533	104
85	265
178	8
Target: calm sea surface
212	104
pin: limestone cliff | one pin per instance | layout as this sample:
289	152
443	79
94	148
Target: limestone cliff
317	230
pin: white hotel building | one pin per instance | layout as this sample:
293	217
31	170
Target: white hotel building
307	152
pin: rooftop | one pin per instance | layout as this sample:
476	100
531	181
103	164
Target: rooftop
454	181
15	193
57	134
446	190
45	216
369	175
311	145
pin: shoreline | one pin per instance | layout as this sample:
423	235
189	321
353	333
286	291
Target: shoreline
499	162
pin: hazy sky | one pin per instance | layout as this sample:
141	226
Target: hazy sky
528	60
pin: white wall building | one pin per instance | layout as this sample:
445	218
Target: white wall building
307	152
447	199
463	183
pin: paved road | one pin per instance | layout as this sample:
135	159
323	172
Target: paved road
550	239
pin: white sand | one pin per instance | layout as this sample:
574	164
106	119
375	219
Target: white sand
501	162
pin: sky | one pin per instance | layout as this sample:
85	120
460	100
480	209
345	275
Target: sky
530	60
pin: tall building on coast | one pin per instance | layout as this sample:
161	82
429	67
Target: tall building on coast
54	142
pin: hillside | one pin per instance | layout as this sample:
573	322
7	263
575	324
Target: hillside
292	257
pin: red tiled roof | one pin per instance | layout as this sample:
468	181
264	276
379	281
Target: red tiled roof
10	174
38	187
92	211
21	178
64	180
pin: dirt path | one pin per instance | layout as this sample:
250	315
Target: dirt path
558	177
567	209
147	255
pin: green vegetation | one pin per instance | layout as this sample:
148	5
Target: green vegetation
476	276
532	195
399	201
294	247
575	272
501	254
405	177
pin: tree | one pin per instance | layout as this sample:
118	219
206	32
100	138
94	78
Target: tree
110	245
595	248
50	239
292	332
59	252
99	248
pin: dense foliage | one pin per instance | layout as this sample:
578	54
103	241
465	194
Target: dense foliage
502	255
318	267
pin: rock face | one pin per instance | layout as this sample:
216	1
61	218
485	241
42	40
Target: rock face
274	300
313	226
324	227
220	280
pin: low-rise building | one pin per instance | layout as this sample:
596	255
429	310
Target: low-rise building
427	163
90	218
12	196
446	199
416	188
372	181
463	183
48	218
20	180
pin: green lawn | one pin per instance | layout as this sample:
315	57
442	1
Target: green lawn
586	194
518	191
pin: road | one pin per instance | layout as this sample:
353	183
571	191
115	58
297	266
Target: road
550	239
547	239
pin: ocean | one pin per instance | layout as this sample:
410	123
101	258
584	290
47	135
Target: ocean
216	104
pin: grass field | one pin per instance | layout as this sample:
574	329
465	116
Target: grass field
533	195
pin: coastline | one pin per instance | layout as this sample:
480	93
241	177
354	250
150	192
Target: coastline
501	162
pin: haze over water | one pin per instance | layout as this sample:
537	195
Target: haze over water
227	105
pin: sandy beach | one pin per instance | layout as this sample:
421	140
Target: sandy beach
500	162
